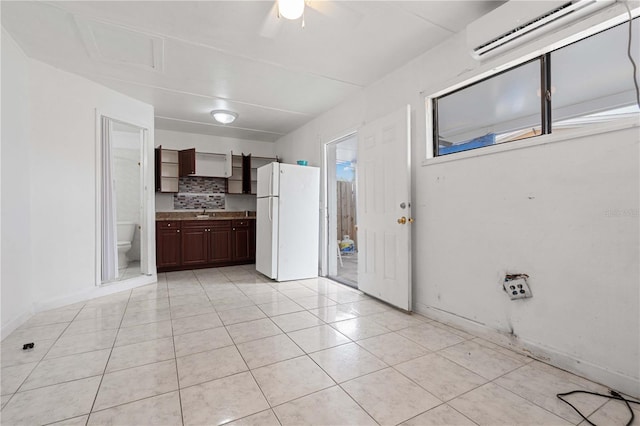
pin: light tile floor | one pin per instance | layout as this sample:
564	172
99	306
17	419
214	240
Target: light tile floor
132	270
226	346
348	271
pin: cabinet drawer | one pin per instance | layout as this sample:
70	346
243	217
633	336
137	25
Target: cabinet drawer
239	223
197	224
221	224
168	224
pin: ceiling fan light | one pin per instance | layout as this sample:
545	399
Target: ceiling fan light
223	116
291	9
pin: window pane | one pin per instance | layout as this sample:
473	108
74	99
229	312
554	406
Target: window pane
592	79
503	108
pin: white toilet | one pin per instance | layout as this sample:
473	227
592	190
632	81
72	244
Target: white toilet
125	233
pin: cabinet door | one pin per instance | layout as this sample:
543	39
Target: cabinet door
241	243
220	245
252	240
246	174
167	248
194	245
187	161
158	167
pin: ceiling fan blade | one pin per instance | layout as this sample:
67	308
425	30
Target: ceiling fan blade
272	24
336	11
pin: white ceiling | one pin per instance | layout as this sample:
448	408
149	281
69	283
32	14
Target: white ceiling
188	58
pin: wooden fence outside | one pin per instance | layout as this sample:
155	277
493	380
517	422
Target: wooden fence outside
346	211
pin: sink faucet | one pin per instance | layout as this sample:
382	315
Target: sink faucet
204	211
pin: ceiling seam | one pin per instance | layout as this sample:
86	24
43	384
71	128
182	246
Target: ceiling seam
206	46
425	19
183	92
219	125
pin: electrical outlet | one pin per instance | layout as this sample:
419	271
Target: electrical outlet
517	287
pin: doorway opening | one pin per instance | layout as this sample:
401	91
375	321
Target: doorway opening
122	206
342	243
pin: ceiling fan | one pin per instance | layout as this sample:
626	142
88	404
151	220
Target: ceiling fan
283	10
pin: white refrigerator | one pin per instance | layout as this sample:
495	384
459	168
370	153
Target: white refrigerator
287	222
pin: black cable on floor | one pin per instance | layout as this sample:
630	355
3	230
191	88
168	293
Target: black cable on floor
614	395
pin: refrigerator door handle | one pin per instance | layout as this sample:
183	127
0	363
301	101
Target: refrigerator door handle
271	183
270	209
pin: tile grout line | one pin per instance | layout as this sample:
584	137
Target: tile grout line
536	404
82	378
304	353
256	382
307	355
108	359
43	357
175	355
339	385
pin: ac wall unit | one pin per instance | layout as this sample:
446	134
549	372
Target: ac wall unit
519	21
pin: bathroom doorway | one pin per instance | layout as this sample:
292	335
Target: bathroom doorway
342	239
122	206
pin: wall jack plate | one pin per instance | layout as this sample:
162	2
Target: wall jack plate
517	287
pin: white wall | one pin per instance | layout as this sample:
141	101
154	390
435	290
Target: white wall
212	144
49	183
543	210
15	187
63	187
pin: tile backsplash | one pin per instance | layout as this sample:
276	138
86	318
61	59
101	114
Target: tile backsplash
195	192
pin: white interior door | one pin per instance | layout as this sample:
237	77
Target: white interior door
384	199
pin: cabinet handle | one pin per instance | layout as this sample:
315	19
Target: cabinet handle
168	224
177	230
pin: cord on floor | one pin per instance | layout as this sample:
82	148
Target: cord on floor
614	395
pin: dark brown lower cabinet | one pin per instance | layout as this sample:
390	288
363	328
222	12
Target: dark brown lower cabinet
195	243
252	241
200	244
220	243
168	244
241	240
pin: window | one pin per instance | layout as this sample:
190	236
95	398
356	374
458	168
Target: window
586	82
492	111
592	79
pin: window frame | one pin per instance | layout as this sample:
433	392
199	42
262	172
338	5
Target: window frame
544	108
544	55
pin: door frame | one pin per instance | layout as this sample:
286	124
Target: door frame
324	236
147	193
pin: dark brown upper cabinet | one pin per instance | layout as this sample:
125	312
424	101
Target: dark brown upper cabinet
187	159
172	164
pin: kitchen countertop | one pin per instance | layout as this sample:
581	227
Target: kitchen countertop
212	215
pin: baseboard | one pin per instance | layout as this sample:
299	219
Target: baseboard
81	296
94	292
552	356
8	328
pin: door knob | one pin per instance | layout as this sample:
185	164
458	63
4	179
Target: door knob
402	220
411	220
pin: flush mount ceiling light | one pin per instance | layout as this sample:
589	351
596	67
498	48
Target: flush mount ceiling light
291	9
223	116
